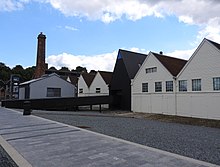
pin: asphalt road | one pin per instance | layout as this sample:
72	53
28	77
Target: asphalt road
202	143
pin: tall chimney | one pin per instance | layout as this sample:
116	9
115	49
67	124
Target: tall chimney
40	65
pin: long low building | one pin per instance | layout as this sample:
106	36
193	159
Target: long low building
167	85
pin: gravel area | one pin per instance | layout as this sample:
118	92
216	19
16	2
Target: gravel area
5	159
197	142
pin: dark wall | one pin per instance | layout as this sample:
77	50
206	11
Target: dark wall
120	87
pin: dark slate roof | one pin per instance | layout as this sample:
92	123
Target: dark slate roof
88	77
173	65
107	76
217	45
73	79
132	61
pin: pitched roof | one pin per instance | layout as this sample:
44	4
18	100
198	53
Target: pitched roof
107	76
88	78
217	45
73	79
38	79
173	65
132	61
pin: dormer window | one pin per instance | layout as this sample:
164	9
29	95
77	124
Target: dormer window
151	70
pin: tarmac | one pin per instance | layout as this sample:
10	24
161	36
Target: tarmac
32	141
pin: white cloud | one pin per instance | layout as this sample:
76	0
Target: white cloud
96	62
182	54
10	5
71	28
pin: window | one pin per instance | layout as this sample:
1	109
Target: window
216	83
196	85
183	85
53	92
81	90
158	86
151	70
169	86
144	87
98	90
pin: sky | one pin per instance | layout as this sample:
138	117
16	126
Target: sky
90	33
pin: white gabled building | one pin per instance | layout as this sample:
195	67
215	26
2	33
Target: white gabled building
48	86
94	84
84	82
154	85
100	84
199	83
166	85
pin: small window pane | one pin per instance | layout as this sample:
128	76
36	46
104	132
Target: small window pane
169	86
183	85
53	92
144	87
151	70
216	83
158	86
81	90
98	90
196	85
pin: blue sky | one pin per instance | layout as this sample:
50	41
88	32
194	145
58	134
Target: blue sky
89	33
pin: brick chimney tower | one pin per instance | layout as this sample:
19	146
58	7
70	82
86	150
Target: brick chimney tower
40	65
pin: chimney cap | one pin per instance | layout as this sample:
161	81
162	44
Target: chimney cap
41	35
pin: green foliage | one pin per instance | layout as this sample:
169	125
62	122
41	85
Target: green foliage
25	74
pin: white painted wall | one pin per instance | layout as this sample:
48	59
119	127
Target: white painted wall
99	82
204	65
82	85
38	89
151	101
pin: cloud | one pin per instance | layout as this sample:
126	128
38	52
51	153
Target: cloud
182	54
95	62
10	5
71	28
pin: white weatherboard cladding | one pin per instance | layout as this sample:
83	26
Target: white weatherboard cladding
38	89
201	105
151	101
82	85
99	82
204	65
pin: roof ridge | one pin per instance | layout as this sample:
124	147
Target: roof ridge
172	64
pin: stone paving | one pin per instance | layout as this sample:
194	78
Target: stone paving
37	142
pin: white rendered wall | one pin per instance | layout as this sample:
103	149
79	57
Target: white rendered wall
39	89
82	85
99	82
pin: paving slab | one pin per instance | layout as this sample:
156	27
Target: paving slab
40	142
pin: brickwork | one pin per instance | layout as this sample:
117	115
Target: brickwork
40	65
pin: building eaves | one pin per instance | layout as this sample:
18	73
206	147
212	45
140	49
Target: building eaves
173	65
217	45
88	78
107	76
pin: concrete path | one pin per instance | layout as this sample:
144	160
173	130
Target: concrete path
37	142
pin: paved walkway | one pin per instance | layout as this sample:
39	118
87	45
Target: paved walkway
37	142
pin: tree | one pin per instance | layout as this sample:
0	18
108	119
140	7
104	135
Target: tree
52	68
5	72
81	69
64	69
